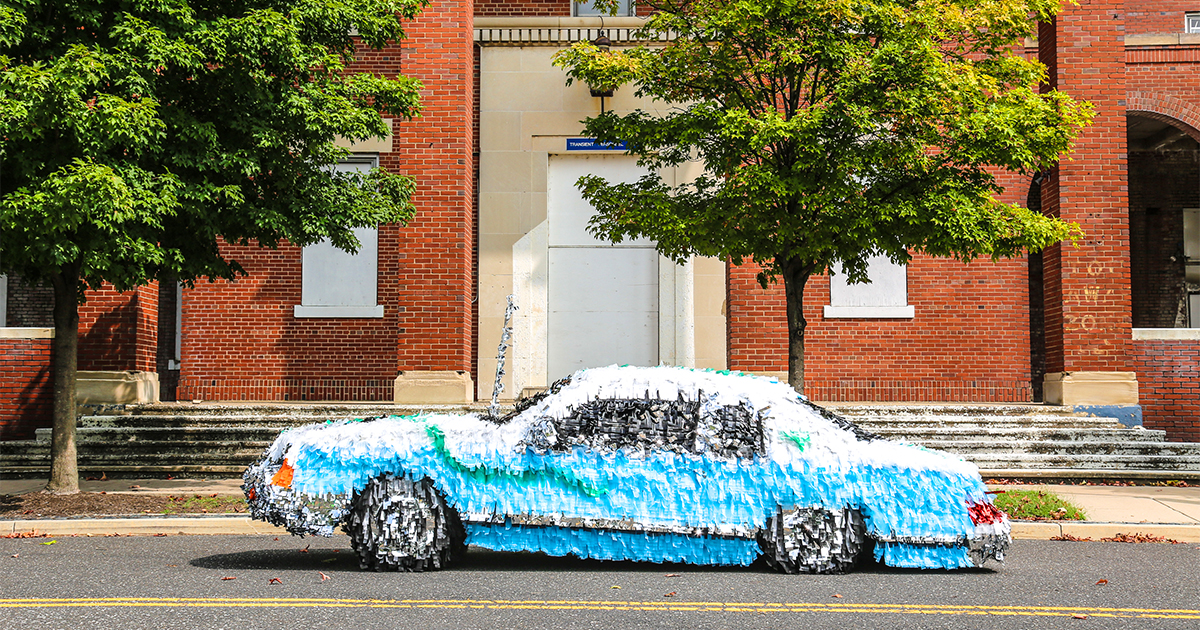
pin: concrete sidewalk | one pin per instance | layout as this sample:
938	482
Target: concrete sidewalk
1173	513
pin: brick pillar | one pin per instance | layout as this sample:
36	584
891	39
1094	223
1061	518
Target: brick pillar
436	283
118	345
1087	292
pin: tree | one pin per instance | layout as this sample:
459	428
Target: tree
140	134
831	131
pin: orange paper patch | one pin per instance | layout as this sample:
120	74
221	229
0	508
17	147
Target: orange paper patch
283	478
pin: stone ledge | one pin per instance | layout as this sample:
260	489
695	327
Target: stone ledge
1166	334
26	333
1162	39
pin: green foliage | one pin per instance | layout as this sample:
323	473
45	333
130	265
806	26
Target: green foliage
831	130
1037	505
136	134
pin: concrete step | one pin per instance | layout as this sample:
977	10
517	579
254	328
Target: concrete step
140	453
184	436
1002	461
323	410
985	422
975	448
1021	434
990	410
239	420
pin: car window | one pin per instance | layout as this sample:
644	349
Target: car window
678	425
632	422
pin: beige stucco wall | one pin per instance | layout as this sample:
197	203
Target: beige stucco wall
526	114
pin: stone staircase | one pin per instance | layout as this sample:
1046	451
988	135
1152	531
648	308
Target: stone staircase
1029	441
1040	441
211	439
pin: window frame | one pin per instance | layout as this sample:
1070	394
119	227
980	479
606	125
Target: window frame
310	306
884	309
1191	22
576	6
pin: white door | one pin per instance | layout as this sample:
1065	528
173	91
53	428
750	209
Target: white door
603	298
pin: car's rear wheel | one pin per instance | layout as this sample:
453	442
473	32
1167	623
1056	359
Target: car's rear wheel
397	524
814	540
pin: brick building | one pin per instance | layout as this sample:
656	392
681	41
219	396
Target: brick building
1113	322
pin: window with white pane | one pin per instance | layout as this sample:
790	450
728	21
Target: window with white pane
340	284
885	296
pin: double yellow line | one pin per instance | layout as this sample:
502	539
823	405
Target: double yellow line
680	606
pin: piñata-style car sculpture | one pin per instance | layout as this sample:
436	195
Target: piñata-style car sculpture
657	464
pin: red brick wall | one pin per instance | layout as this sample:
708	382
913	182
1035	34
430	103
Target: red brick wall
1162	16
119	331
240	339
26	387
1169	386
969	340
1162	84
1087	285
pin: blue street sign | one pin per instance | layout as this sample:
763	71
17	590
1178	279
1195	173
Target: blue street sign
591	144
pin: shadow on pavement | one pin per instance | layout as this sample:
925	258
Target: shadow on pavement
477	560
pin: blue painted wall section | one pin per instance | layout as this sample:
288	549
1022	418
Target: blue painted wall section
1128	415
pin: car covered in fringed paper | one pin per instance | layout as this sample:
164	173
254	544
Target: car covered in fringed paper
658	464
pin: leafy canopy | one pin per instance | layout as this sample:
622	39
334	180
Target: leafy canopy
137	133
831	130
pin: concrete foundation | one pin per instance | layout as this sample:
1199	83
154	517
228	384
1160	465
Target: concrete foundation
420	387
116	387
1091	388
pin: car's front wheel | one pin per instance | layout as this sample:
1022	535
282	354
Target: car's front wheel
814	540
397	524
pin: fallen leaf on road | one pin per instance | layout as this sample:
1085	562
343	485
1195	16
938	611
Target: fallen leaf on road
1079	616
49	542
275	581
323	576
1071	538
329	560
837	596
228	577
1137	537
135	486
671	594
305	549
1102	581
614	586
16	555
30	534
160	534
671	575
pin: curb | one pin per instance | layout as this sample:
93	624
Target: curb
142	526
1041	530
237	525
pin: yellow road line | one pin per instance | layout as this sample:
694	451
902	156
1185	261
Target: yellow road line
672	606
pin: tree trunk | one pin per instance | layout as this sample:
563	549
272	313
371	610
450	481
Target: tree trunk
795	276
64	472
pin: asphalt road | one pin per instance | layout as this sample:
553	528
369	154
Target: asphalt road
179	582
